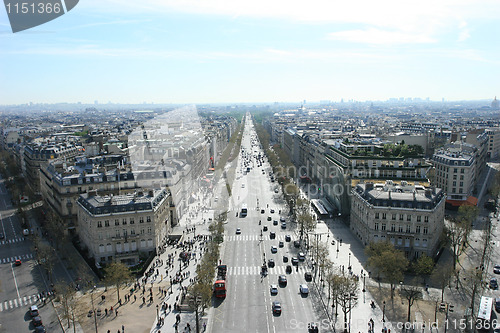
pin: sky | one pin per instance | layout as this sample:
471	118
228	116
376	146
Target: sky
221	51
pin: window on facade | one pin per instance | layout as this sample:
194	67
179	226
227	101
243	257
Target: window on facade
117	234
462	170
454	190
149	230
461	183
419	218
124	232
424	242
426	218
383	226
142	231
460	190
393	227
106	223
400	241
132	231
376	215
148	218
401	217
408	229
99	224
426	230
454	183
417	229
141	219
408	217
117	222
461	177
132	220
417	242
393	217
454	177
400	228
455	170
384	216
376	225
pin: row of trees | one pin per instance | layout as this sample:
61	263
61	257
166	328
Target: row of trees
200	293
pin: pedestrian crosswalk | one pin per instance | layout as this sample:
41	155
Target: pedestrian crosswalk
12	259
242	238
11	241
20	302
256	270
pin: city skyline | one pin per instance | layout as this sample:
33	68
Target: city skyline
242	52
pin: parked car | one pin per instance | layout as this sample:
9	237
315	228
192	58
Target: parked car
295	261
34	311
40	329
281	244
1	235
272	235
302	256
288	269
265	228
496	269
274	249
296	243
285	259
288	238
238	231
26	232
274	289
17	262
270	263
308	276
269	218
283	225
493	283
37	321
272	211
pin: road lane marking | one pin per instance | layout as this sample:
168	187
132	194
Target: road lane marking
15	281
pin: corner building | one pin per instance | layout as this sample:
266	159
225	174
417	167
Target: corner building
409	216
124	228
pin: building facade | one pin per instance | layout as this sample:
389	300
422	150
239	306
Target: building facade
409	216
124	228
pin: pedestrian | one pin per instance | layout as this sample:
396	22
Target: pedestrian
106	311
123	329
116	312
135	298
204	327
178	318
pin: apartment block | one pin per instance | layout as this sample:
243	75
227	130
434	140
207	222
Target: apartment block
125	228
410	216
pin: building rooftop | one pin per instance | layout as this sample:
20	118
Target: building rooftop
401	195
109	204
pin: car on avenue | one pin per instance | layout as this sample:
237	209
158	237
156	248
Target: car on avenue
238	231
276	308
274	289
304	290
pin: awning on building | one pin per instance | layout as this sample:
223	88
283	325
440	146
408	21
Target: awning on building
471	201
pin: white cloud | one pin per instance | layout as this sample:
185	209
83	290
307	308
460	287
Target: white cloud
379	36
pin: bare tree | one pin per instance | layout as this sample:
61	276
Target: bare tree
117	274
411	293
457	232
347	300
441	276
67	297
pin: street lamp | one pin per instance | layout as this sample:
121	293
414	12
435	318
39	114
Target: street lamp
349	260
93	308
364	282
338	241
157	314
383	313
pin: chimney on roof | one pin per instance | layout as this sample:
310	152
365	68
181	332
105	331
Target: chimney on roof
150	193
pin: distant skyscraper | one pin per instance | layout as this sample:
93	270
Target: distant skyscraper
495	105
